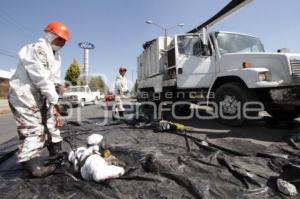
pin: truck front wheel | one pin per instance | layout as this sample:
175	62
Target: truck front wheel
230	99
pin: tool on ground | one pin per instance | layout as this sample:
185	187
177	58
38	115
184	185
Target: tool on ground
164	126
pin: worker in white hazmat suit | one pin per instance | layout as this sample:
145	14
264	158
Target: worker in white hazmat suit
120	88
33	99
90	163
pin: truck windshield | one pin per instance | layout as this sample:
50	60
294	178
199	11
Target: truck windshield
233	43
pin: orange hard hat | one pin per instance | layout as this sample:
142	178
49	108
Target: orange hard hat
122	68
58	29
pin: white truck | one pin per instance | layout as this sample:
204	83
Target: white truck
79	96
227	68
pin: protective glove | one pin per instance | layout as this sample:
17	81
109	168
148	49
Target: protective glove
104	150
106	154
56	113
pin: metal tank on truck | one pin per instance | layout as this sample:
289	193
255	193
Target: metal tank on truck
230	71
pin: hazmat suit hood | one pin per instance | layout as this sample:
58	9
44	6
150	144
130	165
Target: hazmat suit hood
50	37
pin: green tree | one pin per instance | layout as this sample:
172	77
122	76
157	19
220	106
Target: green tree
73	73
96	83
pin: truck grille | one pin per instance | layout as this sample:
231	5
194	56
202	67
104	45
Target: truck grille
67	98
295	66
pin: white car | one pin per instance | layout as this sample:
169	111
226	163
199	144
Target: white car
79	96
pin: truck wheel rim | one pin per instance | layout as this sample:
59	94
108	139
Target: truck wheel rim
229	105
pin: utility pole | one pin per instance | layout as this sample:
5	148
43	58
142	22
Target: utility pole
86	46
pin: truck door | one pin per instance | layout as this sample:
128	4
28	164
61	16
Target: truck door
194	69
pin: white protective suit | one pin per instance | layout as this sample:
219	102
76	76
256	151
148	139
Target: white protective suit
91	165
33	85
120	88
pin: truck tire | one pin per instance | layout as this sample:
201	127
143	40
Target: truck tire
82	103
284	115
231	97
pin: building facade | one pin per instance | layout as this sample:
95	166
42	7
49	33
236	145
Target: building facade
4	79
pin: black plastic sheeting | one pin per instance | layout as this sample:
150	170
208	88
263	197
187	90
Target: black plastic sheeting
162	165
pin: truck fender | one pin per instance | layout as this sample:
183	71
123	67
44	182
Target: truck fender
248	77
209	90
240	76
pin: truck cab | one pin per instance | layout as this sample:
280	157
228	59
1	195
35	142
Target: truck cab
224	67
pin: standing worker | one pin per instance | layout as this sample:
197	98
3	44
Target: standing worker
120	88
33	99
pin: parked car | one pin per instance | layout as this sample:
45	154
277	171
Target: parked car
79	96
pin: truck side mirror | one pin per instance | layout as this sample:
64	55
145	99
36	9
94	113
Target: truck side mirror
205	51
204	36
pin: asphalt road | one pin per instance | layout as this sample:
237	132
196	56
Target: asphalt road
262	132
92	113
8	128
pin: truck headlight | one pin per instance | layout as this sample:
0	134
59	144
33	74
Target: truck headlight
264	76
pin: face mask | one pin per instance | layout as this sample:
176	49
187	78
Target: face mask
50	37
55	47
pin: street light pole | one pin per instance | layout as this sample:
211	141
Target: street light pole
165	29
166	33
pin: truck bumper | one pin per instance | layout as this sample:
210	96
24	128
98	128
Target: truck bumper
286	96
266	84
62	102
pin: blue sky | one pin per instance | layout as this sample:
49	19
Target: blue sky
117	27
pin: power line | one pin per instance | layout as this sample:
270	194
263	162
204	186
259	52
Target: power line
7	54
6	51
8	19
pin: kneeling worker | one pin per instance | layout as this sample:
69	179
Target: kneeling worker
34	101
95	162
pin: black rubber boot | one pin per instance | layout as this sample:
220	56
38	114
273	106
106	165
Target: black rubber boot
121	114
55	151
36	169
113	116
